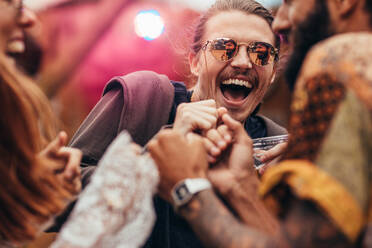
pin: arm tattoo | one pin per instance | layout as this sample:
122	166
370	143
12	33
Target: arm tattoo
302	226
217	227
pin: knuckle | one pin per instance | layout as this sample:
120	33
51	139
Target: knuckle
181	108
187	115
223	129
166	134
206	142
151	145
79	152
213	119
212	132
207	125
212	102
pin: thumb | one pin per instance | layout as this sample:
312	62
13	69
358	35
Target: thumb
221	111
62	136
239	133
57	143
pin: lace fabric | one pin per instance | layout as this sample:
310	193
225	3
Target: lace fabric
116	208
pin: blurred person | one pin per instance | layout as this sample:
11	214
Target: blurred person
53	54
15	18
40	177
343	85
320	191
233	56
37	179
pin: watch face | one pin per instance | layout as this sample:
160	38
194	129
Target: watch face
182	192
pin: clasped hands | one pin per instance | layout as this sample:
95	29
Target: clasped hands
64	163
222	151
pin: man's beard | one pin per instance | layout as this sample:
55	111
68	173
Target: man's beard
316	27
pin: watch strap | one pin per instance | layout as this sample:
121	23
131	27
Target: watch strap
184	190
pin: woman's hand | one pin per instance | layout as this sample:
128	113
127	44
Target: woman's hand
64	161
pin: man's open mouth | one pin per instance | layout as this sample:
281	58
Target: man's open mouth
236	90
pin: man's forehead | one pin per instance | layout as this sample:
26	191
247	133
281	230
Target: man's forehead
240	26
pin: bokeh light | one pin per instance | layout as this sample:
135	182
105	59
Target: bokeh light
148	24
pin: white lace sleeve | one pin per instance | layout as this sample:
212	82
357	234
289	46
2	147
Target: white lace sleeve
116	208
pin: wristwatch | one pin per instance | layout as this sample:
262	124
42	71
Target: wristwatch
184	190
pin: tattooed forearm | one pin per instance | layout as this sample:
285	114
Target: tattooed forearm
302	226
249	206
217	227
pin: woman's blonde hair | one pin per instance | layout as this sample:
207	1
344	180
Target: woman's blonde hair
30	193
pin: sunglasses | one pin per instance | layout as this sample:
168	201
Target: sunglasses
260	53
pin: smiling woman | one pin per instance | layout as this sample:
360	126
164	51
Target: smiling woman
14	19
38	179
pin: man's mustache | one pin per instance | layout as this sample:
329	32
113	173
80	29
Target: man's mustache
248	75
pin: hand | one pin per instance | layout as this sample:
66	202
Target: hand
217	140
236	164
178	157
194	116
64	161
270	157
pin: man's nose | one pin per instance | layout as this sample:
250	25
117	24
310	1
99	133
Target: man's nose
27	18
242	60
281	22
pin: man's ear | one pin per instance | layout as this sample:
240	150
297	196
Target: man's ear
344	7
194	64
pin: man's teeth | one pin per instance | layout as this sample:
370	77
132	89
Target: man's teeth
237	82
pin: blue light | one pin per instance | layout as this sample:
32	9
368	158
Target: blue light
148	24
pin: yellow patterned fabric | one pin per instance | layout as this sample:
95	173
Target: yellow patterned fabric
346	58
329	155
310	183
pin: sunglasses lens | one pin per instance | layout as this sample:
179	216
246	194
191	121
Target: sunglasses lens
223	49
262	54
